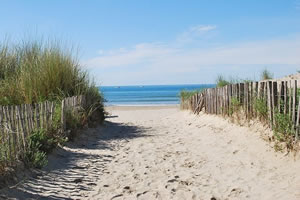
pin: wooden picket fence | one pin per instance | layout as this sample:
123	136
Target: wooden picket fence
279	97
18	122
76	102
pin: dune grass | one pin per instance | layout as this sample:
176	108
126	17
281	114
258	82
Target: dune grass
186	94
266	75
222	81
35	71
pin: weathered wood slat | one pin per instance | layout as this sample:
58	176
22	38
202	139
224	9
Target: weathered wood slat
270	109
22	128
280	96
274	100
297	122
16	132
294	102
7	127
18	122
290	94
3	133
285	93
63	119
30	118
247	100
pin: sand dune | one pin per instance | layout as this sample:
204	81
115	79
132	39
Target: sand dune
164	153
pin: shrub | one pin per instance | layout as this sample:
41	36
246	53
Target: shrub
265	75
283	128
73	119
261	108
221	81
185	94
247	80
234	106
39	144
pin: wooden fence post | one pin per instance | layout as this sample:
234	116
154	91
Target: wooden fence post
269	99
63	117
294	103
297	122
290	99
274	100
285	93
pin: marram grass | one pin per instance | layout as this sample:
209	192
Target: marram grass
36	71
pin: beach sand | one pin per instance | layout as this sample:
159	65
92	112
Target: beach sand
164	153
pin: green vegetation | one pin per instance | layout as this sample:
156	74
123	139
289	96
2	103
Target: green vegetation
39	144
247	80
260	106
75	120
283	129
185	94
234	106
36	71
221	81
266	75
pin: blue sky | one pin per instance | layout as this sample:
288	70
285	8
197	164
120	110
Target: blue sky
166	42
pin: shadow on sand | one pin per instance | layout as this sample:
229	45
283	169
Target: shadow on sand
78	166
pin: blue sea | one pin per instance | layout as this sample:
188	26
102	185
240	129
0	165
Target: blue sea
147	95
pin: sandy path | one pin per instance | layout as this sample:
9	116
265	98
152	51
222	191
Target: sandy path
164	153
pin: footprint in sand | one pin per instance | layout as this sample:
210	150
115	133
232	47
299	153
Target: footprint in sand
186	183
171	180
188	164
235	192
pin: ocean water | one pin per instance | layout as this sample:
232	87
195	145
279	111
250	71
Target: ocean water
146	95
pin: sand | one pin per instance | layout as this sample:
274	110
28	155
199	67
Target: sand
164	153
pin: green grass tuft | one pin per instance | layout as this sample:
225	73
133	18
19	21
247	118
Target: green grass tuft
35	71
185	94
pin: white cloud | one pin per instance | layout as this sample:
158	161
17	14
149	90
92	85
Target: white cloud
261	52
201	28
162	63
195	32
140	53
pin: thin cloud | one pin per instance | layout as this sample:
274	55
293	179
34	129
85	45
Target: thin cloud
140	53
195	32
260	52
167	63
200	29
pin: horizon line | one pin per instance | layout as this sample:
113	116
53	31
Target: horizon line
156	85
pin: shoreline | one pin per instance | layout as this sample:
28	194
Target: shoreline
140	107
